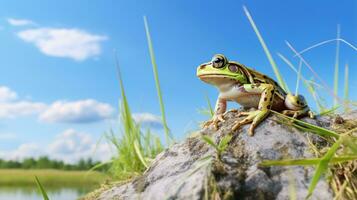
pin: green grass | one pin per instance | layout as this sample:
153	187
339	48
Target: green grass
340	142
134	149
169	138
337	58
346	88
42	189
51	178
221	146
267	52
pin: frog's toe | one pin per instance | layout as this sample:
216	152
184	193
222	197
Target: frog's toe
214	121
231	111
311	114
238	124
243	114
247	120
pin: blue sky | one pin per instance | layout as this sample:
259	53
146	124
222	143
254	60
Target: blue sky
59	90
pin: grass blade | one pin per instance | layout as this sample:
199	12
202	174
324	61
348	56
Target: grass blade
266	50
345	96
42	190
308	84
323	165
138	152
335	82
306	161
209	141
224	142
210	108
329	111
298	79
315	129
157	82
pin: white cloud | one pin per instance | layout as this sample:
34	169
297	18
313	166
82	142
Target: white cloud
82	111
6	94
69	146
148	119
20	108
62	42
26	150
20	22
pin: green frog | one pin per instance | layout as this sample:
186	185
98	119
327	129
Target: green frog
250	89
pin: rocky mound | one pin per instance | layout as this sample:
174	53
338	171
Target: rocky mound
193	170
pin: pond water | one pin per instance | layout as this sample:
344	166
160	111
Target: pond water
32	193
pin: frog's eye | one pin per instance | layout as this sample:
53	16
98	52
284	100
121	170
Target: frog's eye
219	61
233	68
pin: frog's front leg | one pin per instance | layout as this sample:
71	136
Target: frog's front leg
220	109
255	117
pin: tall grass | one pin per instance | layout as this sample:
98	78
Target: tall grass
134	149
267	52
168	136
309	84
342	145
346	88
337	58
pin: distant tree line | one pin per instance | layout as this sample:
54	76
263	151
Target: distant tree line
45	163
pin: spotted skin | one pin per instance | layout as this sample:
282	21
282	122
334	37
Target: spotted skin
251	89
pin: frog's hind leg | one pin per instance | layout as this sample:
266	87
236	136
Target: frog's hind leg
297	106
255	117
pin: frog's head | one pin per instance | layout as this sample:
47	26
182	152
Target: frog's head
221	71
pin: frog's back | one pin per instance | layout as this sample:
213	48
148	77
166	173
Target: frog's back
257	77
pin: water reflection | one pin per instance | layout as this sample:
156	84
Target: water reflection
32	193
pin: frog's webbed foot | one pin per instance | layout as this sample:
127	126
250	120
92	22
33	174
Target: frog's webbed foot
214	121
254	117
299	113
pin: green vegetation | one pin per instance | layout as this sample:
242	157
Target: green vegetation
340	153
267	52
168	136
134	149
221	146
342	150
337	57
346	89
45	163
42	190
50	178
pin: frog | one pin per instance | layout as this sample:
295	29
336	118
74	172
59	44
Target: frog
254	91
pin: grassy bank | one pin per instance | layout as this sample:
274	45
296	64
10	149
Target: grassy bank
50	178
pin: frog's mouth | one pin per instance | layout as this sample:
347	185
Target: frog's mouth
216	78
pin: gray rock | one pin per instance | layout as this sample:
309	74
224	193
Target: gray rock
184	172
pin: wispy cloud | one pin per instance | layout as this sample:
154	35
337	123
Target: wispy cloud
6	94
63	42
20	22
20	108
69	146
148	119
82	111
